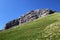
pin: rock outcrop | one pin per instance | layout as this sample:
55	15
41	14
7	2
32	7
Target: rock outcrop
30	16
12	23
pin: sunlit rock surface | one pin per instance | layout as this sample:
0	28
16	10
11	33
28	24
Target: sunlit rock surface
30	16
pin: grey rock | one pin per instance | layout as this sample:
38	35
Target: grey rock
12	23
30	16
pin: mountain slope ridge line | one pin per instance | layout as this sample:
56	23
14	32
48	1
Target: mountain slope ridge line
40	29
30	16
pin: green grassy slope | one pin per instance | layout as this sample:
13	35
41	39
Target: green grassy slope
45	28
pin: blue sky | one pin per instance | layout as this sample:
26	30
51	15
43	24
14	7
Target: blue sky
12	9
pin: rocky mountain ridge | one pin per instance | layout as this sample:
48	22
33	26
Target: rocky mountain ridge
30	16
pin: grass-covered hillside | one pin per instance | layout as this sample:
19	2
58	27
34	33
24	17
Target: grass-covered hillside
45	28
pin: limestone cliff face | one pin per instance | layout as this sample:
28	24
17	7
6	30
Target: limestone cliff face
30	16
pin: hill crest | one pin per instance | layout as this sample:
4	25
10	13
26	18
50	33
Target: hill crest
30	16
